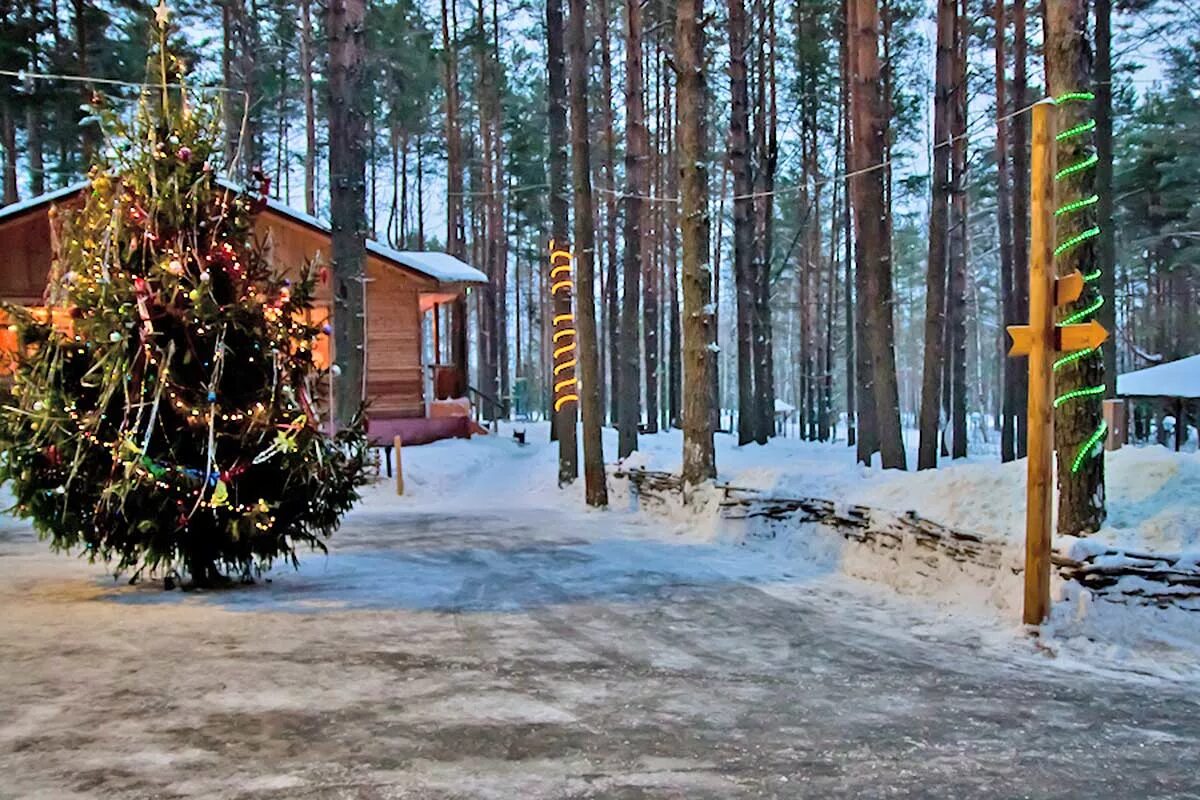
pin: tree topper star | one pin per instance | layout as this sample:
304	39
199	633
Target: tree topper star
162	13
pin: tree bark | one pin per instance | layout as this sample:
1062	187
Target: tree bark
848	285
939	222
596	488
652	239
956	302
699	462
455	240
743	221
1020	204
454	175
347	177
8	140
499	209
874	245
90	133
1010	312
672	223
766	156
310	116
566	418
637	153
231	101
1081	506
1106	257
33	109
611	299
491	331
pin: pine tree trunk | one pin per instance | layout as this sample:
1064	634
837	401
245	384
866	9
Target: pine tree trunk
420	194
310	120
637	154
454	174
939	222
231	104
566	418
956	302
1081	506
611	298
743	221
1011	315
347	176
596	488
499	209
8	140
849	281
699	463
488	334
1106	257
1020	206
89	134
672	223
872	234
766	145
251	150
651	249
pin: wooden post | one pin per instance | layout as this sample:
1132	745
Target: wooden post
437	334
1040	487
1114	415
396	445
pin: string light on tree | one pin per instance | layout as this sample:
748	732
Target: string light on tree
1090	446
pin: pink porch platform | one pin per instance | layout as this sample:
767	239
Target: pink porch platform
417	430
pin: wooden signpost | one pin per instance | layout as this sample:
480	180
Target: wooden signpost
1042	340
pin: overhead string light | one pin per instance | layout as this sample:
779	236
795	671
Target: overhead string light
1089	446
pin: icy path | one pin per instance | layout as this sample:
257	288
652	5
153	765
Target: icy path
546	654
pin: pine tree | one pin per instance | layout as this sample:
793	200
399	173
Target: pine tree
939	222
699	329
168	418
637	180
1078	431
595	483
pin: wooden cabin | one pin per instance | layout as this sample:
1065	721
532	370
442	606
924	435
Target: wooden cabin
416	387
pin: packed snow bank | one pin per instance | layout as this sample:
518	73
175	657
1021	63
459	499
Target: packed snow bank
1152	496
1153	492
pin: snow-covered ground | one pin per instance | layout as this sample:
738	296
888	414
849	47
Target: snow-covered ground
487	636
1153	494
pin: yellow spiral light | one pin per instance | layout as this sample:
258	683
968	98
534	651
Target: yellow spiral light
565	384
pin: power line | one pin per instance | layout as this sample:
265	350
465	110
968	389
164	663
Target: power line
831	179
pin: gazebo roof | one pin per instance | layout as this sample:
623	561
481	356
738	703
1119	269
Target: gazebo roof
1175	379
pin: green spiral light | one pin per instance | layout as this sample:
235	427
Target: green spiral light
1088	447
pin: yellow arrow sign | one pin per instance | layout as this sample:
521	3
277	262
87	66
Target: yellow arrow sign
1068	288
1084	336
1067	338
1022	338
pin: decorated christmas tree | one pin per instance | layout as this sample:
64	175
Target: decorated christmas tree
165	409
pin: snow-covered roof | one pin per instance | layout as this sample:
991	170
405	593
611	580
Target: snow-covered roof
1176	379
441	267
28	204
